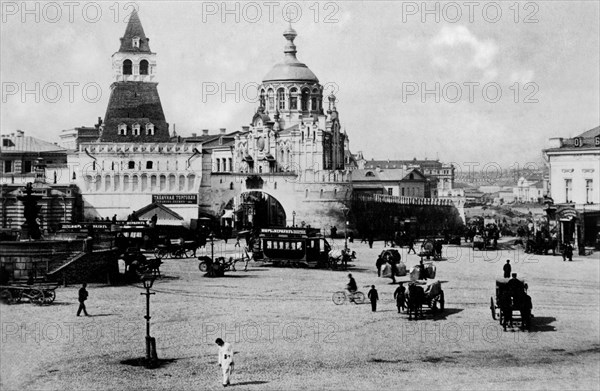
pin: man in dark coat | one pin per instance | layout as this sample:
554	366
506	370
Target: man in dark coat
400	296
373	296
526	308
83	295
507	269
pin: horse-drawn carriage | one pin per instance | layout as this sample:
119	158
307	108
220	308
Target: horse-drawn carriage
431	248
176	248
137	264
511	296
42	293
424	293
218	267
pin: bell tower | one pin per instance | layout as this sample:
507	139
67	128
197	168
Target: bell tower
134	112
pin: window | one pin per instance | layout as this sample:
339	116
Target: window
135	42
402	192
271	97
281	99
568	189
313	104
127	66
27	166
7	143
143	67
390	191
122	129
230	165
150	129
136	129
149	165
8	166
589	191
304	100
262	98
293	99
131	165
369	174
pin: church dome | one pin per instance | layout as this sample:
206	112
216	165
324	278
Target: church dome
290	70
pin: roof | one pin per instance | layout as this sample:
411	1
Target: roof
290	70
400	163
20	143
389	175
591	133
162	212
134	30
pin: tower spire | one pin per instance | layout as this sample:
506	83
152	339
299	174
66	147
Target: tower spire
135	39
290	34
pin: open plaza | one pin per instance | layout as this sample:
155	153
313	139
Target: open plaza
287	333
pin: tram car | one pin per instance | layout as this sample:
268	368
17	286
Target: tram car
294	247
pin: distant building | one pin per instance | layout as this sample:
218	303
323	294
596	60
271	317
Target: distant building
71	138
530	190
574	172
442	174
397	182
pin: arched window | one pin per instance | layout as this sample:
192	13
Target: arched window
143	67
107	183
275	186
271	96
181	183
305	193
144	182
127	66
231	186
117	182
153	183
150	129
411	176
281	99
131	165
262	98
163	183
126	182
369	173
321	194
134	184
122	130
136	129
191	180
294	99
305	97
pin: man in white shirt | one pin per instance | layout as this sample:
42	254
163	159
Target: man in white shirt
225	360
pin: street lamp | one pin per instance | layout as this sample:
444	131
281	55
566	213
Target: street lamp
293	218
151	356
345	211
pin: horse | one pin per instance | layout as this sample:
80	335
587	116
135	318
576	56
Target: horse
415	300
340	257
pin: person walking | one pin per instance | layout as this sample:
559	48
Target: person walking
225	360
411	245
507	269
400	296
370	238
373	296
568	252
526	308
83	295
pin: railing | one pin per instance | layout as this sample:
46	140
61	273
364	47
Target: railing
388	199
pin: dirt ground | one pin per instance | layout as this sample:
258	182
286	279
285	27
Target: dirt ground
288	334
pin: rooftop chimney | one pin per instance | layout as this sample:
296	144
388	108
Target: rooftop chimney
205	132
194	134
245	128
20	133
223	130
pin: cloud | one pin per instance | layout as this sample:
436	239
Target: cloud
522	76
455	49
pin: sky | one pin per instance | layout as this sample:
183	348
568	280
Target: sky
474	84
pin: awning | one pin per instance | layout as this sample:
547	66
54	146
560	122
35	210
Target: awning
248	158
228	214
269	157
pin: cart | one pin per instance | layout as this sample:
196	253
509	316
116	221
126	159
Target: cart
40	294
510	298
428	294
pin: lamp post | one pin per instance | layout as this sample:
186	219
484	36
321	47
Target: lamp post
151	356
345	211
293	219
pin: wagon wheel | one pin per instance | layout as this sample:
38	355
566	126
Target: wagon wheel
49	296
36	297
339	297
359	298
493	308
6	297
203	267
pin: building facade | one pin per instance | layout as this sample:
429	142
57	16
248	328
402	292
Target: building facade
574	171
133	163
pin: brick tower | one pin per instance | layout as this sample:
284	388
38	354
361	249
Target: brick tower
134	112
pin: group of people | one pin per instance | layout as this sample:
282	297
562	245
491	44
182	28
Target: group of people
373	295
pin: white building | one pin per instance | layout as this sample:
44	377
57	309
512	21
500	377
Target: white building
574	172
